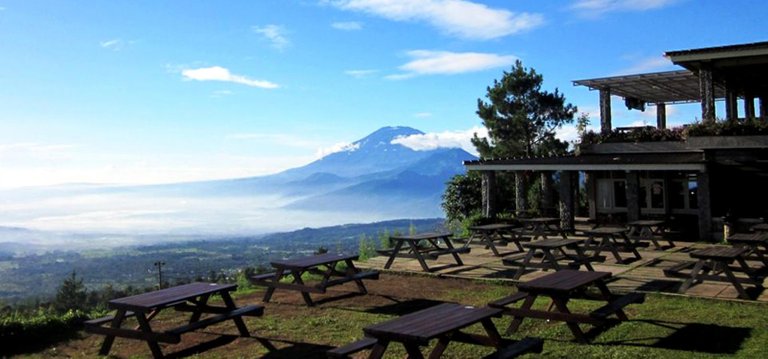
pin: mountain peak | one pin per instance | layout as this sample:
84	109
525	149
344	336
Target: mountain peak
383	137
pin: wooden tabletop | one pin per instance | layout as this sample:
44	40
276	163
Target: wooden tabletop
646	222
606	230
719	252
762	227
425	235
146	302
312	261
430	323
748	237
539	220
492	227
562	281
551	243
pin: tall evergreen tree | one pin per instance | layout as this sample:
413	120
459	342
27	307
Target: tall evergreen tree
71	295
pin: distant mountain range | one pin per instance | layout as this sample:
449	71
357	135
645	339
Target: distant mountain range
373	179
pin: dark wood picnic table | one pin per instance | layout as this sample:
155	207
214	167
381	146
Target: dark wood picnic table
611	239
560	287
443	322
762	227
648	229
490	233
714	264
757	243
325	265
540	227
429	245
191	297
552	251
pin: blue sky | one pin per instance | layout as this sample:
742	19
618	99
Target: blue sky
168	91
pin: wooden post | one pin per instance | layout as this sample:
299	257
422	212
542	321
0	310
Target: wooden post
749	106
661	115
707	92
566	204
545	202
488	183
591	184
633	196
731	108
705	211
605	110
520	192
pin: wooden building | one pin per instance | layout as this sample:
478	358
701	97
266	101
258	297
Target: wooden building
698	180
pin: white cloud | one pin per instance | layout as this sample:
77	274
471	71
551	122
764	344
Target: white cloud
275	34
338	147
427	62
113	44
446	139
594	8
347	25
459	18
422	114
218	73
359	74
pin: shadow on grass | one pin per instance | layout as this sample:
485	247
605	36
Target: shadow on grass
401	307
298	350
24	344
695	337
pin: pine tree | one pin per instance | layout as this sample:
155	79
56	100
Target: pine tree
71	295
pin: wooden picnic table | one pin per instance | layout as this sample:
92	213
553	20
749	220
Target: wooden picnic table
323	264
762	227
552	251
648	229
541	227
443	322
489	233
560	287
612	239
714	264
191	297
424	246
757	243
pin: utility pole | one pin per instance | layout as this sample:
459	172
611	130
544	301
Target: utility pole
159	265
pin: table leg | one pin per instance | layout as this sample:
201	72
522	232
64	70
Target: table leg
392	256
239	323
413	351
413	245
456	255
582	258
492	332
146	328
442	344
527	304
607	296
562	306
202	301
610	242
632	247
378	349
551	259
351	271
526	260
694	274
271	290
732	278
297	280
109	339
489	241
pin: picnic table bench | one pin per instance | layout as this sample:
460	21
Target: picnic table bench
552	251
714	264
191	297
296	267
423	246
489	233
443	322
540	227
612	239
560	287
648	229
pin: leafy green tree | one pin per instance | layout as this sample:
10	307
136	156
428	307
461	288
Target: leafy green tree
462	197
521	118
71	295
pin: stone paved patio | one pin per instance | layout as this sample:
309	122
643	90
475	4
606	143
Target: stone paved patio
644	275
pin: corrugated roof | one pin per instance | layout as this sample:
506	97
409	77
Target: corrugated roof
680	86
693	160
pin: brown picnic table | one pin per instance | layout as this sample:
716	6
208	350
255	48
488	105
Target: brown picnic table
191	297
325	265
757	243
443	322
552	251
560	287
540	227
648	229
612	239
762	227
490	233
428	245
714	264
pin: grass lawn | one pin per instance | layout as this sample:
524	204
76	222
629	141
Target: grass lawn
662	327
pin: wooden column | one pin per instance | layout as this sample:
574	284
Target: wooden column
764	108
661	115
520	192
749	106
731	106
605	110
633	196
488	181
591	184
705	210
566	204
545	202
707	92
